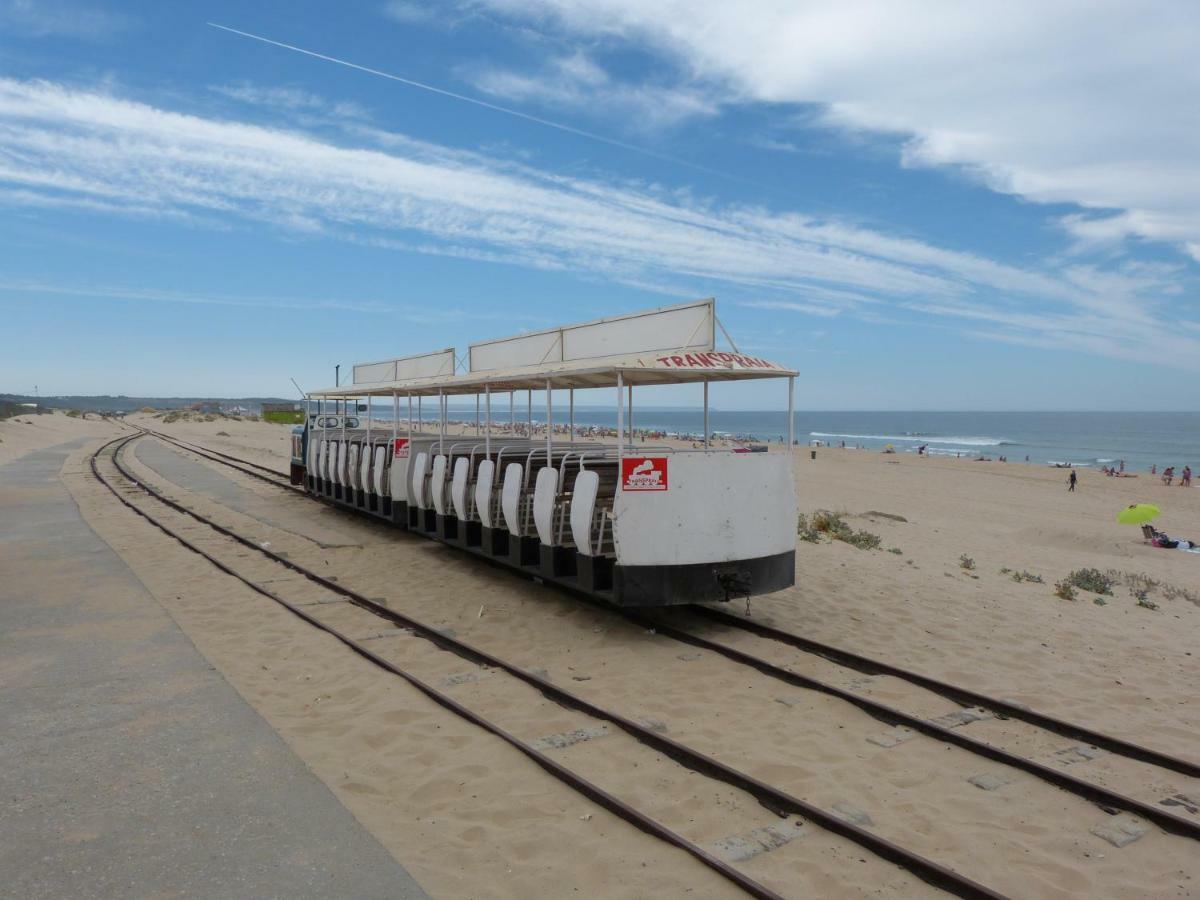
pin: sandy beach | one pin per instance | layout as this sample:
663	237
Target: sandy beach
472	819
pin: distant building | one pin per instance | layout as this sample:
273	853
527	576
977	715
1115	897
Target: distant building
286	413
236	411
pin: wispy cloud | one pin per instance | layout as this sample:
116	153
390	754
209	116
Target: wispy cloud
289	99
65	146
145	295
48	18
578	83
408	12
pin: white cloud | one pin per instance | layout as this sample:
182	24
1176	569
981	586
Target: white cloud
576	82
408	13
48	18
1077	102
289	99
79	148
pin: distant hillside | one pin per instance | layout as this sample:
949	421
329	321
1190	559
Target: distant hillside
108	403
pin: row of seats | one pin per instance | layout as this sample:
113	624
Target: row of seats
549	507
350	469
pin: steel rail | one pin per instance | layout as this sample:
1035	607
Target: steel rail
958	694
573	780
1094	793
1104	797
231	460
777	801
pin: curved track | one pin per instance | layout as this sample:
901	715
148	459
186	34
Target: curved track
772	798
1104	797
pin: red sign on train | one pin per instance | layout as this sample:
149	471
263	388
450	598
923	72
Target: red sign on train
401	449
644	473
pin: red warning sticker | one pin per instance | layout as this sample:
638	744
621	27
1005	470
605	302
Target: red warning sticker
400	451
644	473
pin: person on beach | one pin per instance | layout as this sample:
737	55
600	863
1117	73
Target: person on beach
1071	482
1185	477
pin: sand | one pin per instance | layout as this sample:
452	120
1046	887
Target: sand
470	818
27	433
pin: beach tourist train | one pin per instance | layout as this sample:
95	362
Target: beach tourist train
631	524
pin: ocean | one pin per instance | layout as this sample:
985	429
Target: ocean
1087	439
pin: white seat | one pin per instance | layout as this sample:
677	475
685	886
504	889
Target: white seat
437	484
339	472
545	490
583	504
364	467
417	485
483	491
381	466
458	488
352	466
510	497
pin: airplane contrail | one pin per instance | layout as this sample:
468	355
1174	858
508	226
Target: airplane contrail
578	132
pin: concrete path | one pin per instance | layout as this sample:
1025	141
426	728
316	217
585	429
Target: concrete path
315	521
128	766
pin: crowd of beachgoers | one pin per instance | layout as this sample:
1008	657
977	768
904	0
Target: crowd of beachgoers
597	432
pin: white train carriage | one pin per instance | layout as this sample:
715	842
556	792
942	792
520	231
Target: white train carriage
633	524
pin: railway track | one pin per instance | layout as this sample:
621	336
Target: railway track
175	523
1105	798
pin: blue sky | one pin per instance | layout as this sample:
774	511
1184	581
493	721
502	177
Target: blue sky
917	205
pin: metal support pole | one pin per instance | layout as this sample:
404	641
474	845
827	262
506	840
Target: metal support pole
620	414
512	412
395	415
791	414
571	416
344	451
706	432
477	414
549	420
410	426
529	411
487	435
441	421
420	415
631	441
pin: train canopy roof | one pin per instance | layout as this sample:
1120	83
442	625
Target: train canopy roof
668	345
671	367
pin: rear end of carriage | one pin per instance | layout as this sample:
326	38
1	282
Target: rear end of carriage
632	524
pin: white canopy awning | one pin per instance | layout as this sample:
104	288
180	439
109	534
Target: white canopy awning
683	366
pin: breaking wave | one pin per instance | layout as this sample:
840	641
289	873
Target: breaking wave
969	441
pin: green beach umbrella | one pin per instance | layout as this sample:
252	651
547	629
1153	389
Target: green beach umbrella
1138	513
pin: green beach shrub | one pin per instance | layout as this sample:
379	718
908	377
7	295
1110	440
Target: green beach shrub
1091	580
825	522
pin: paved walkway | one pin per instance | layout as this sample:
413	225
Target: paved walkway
128	766
320	523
